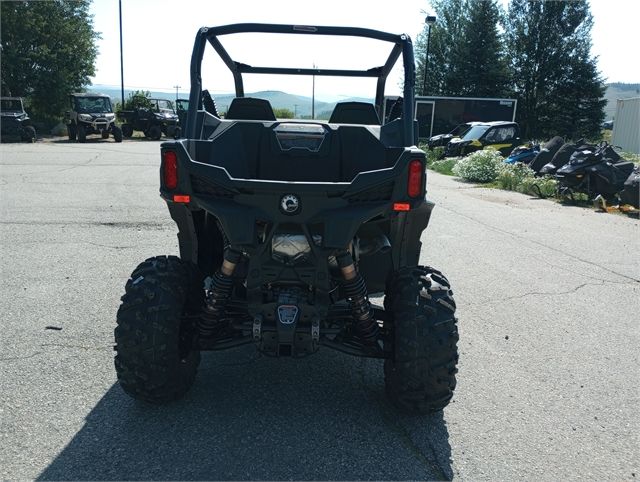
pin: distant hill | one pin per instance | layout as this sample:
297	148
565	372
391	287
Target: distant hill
617	91
299	105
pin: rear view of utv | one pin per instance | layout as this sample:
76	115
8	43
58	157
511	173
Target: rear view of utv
286	229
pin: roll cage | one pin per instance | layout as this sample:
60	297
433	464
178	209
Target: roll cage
401	45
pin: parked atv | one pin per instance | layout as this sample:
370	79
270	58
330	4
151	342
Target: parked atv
160	119
15	124
499	135
286	228
91	114
595	172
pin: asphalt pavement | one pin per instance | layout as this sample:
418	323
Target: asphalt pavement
548	387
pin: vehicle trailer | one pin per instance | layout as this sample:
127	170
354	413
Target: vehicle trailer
440	115
286	228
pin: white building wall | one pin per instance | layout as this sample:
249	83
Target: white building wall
626	126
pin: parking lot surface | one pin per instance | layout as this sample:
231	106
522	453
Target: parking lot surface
548	387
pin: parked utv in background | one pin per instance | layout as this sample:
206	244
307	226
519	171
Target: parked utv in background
160	119
441	140
285	230
500	135
15	124
91	114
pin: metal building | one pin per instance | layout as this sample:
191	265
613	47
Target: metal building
626	126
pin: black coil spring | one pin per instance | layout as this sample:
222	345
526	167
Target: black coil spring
356	292
217	297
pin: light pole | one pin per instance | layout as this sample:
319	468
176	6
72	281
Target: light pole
430	20
177	87
121	59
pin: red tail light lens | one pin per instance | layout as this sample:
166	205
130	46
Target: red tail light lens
416	171
170	169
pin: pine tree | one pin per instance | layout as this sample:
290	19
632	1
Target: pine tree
555	78
481	69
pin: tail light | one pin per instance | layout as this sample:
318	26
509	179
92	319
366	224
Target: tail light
170	169
416	172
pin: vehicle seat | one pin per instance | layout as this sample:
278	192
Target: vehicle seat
250	108
354	113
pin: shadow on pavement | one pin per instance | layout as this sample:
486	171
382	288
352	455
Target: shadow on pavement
250	418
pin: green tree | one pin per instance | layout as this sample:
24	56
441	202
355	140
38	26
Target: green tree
283	113
446	35
48	51
556	81
138	100
465	50
481	66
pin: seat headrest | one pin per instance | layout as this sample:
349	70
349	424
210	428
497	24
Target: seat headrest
250	108
355	113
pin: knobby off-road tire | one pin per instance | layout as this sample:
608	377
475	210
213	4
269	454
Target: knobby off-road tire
81	133
420	377
29	134
154	359
155	133
117	133
127	130
104	134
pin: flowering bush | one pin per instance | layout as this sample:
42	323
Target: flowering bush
511	176
480	166
519	177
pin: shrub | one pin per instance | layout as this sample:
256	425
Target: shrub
511	176
480	166
519	177
444	166
434	155
545	186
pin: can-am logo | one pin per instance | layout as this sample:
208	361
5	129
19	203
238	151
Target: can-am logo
289	204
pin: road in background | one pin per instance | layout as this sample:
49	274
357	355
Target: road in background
548	303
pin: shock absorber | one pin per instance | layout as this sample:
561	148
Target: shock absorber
218	293
356	292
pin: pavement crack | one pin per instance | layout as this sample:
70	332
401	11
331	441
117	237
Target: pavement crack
390	419
538	243
25	357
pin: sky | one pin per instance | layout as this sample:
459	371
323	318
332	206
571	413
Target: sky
158	39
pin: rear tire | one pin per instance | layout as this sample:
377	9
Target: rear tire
105	134
71	131
420	376
117	133
155	358
155	133
29	134
81	133
127	130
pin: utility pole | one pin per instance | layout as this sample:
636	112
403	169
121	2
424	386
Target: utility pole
313	95
177	87
295	111
121	58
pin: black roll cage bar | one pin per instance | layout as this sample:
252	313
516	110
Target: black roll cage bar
402	45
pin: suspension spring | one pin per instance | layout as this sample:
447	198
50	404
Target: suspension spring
218	294
355	290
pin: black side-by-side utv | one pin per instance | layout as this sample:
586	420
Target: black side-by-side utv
15	124
286	228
